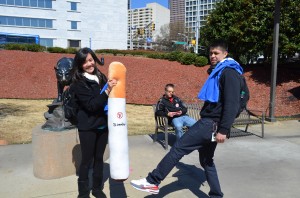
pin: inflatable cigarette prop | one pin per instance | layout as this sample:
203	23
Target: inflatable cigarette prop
117	124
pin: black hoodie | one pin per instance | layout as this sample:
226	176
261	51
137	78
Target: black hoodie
225	110
91	103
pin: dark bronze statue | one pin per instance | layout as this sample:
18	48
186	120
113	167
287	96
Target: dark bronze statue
55	118
64	72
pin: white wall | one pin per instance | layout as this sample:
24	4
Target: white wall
161	16
104	21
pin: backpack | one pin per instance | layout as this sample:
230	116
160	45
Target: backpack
70	105
245	95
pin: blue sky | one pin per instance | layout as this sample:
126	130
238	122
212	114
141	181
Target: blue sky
142	3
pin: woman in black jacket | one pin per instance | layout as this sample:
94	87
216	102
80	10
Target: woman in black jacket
88	82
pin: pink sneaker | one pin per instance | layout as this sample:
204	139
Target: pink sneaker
145	186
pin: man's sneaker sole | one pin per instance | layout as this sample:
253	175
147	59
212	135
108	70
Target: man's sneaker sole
149	190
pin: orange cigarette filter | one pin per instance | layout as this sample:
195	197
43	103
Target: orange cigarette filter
117	71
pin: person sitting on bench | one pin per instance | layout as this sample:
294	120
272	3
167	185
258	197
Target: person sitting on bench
171	106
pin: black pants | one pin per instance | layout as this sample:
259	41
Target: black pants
93	144
198	137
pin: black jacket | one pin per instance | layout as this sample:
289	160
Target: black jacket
164	106
226	109
91	103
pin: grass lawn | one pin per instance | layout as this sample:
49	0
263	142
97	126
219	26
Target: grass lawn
18	118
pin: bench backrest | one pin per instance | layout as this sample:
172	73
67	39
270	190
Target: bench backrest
193	111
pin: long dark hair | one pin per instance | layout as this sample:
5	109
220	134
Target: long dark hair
79	60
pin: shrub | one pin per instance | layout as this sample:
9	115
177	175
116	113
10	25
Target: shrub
156	55
24	47
15	46
56	50
35	48
188	59
174	56
201	61
71	50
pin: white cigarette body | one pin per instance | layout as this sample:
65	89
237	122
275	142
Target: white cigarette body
117	124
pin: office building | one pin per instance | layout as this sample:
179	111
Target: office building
144	25
99	24
177	18
195	14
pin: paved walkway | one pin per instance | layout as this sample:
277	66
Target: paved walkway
248	167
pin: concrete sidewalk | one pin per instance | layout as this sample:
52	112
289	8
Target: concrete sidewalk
248	167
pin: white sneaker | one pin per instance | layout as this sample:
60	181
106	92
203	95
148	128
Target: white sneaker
145	186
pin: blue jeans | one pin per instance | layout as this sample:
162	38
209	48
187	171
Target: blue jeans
180	122
197	138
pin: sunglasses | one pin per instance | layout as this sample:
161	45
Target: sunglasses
170	91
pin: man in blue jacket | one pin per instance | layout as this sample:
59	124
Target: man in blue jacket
221	93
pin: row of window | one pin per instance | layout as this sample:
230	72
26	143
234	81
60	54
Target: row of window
35	3
193	2
202	7
194	24
27	22
32	22
194	18
28	3
201	13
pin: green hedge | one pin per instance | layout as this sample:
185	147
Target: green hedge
24	47
62	50
182	57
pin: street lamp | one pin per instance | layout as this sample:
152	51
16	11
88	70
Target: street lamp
197	27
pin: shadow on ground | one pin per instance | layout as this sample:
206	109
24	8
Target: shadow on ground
10	109
261	73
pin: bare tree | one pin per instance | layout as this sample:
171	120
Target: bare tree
162	40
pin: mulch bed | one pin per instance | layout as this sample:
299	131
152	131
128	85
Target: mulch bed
29	75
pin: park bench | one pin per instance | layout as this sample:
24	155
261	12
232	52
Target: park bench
246	118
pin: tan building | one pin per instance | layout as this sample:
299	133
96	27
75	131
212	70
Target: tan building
144	25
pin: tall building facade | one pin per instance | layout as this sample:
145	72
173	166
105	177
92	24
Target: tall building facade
144	25
177	18
98	24
195	14
177	10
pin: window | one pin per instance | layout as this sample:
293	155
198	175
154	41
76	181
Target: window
18	2
33	3
74	25
26	22
34	22
19	21
11	21
46	42
10	2
49	23
26	3
2	1
73	6
74	43
48	4
42	23
41	3
3	20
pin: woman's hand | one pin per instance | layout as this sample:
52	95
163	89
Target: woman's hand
111	84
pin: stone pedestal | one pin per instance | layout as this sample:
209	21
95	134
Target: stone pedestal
56	154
